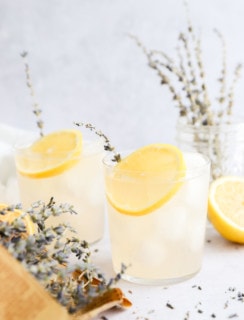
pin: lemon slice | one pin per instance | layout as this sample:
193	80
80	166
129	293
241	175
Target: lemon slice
226	207
146	179
10	216
50	155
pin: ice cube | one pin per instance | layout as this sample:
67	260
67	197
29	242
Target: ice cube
196	232
171	224
150	254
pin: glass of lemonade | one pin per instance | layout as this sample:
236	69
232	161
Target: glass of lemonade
63	166
157	209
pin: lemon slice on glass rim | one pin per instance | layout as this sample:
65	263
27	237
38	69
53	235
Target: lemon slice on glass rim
146	179
50	155
226	207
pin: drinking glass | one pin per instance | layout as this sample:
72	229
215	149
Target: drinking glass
80	185
223	144
164	245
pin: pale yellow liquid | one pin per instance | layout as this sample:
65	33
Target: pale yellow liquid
165	245
80	186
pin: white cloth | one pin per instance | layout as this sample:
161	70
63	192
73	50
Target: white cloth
9	138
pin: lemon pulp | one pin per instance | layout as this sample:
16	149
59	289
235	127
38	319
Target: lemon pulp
226	207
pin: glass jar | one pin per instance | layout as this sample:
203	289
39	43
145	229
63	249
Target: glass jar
223	144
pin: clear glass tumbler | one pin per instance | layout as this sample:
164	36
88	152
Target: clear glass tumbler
164	245
81	185
223	144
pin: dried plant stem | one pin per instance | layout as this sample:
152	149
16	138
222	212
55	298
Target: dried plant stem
205	116
185	82
222	78
196	107
205	110
36	109
47	255
191	93
189	60
188	82
186	88
237	74
154	64
107	144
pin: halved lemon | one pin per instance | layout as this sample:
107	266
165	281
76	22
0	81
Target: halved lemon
146	179
50	155
226	207
10	216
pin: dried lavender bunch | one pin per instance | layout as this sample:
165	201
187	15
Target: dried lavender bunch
107	144
36	108
190	93
46	255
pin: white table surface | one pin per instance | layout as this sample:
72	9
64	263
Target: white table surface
211	294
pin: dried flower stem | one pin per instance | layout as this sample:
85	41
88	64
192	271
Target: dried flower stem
107	144
237	75
193	99
189	83
74	286
36	109
155	64
205	116
222	78
197	109
206	104
189	61
171	67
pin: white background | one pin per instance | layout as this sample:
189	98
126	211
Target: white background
84	66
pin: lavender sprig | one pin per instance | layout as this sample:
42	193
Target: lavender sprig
107	144
36	108
196	107
46	255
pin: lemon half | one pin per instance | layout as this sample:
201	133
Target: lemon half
226	207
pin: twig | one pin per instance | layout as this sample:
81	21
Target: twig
237	74
107	144
36	109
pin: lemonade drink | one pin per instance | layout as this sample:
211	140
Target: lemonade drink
70	176
159	238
